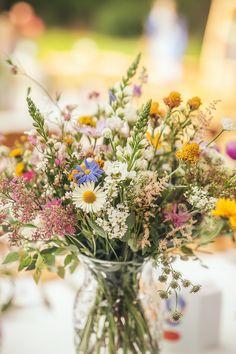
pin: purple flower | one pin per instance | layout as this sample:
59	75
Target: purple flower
112	96
231	149
94	132
89	172
137	91
176	217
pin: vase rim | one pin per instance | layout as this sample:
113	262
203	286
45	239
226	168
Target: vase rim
102	261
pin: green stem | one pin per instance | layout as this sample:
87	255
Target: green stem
216	137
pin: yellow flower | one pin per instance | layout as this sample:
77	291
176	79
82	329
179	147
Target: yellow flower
16	152
87	120
154	140
226	208
173	100
232	221
19	169
154	108
190	152
100	162
68	140
71	176
194	103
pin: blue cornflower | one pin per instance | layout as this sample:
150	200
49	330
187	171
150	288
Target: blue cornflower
89	172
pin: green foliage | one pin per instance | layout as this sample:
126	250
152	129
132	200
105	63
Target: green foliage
11	257
122	18
38	119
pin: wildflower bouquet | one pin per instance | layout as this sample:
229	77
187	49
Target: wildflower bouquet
127	184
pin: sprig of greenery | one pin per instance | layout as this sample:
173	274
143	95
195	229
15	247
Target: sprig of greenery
121	101
131	71
39	122
138	134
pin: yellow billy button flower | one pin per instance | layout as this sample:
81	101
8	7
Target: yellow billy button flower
173	99
225	208
19	169
16	152
194	103
87	120
154	140
190	152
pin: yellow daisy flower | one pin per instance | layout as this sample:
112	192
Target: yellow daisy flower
19	169
226	208
16	152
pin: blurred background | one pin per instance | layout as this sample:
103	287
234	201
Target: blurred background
76	47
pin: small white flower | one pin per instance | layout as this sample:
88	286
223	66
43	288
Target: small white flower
228	124
131	114
88	197
117	171
107	133
114	123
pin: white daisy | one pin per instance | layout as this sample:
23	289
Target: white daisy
88	197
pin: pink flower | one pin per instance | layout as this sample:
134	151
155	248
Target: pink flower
58	161
29	175
57	220
176	216
94	132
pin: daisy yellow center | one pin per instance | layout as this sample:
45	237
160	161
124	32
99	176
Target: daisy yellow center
87	171
89	197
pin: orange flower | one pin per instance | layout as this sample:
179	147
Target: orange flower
190	152
173	100
154	108
194	103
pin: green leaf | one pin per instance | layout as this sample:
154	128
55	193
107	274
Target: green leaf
74	265
186	250
11	257
40	262
68	259
61	272
60	251
37	275
25	261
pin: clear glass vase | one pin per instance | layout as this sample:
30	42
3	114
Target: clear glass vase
117	309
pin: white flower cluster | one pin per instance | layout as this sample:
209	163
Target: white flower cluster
117	171
115	224
228	124
200	199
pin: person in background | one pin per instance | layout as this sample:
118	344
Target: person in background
167	39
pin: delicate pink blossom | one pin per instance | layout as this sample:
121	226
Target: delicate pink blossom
94	132
57	220
29	175
176	216
24	202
